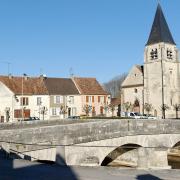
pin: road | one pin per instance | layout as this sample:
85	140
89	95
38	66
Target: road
26	170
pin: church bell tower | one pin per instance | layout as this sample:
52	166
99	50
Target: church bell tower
161	69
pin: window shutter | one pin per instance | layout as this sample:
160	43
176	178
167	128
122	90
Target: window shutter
27	101
99	99
93	99
21	101
87	99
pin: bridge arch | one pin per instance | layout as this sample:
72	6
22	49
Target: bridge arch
119	151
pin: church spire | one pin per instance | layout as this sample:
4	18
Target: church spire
160	31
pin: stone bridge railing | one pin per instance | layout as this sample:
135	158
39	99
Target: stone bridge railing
75	132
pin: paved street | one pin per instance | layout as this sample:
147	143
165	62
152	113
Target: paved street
20	169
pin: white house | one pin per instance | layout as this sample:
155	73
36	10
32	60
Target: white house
22	97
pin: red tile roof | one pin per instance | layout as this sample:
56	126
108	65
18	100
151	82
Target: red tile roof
31	85
89	86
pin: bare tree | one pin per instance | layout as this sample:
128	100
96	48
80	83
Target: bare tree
87	109
176	108
114	85
164	108
148	107
112	107
63	109
127	106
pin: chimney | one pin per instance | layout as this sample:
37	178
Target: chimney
10	76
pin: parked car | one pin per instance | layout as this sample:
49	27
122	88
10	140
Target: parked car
32	119
135	115
74	117
149	116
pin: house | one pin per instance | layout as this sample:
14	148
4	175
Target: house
156	84
115	107
50	98
65	100
22	97
94	99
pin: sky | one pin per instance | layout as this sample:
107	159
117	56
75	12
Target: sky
89	38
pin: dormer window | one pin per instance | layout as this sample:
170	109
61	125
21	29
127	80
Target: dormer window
169	54
154	54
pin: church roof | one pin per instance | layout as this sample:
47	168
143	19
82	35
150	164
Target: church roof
160	31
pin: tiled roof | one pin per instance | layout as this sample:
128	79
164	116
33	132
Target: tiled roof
31	85
60	86
89	86
115	101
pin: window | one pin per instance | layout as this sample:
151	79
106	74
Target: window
24	101
74	111
135	90
39	101
54	112
89	99
169	54
71	99
58	99
154	54
102	99
171	101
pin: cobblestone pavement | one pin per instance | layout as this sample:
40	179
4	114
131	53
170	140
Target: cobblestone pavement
25	170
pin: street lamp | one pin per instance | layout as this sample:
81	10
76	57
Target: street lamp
22	93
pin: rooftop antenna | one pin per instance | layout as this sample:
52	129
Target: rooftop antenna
41	71
71	72
8	66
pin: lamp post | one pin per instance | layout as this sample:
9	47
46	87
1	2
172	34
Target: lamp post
22	94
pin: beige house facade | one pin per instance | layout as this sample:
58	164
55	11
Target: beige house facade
93	96
157	82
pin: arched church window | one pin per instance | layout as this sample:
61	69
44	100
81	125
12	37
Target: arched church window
154	54
169	54
136	103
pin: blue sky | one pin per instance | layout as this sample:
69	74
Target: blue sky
96	38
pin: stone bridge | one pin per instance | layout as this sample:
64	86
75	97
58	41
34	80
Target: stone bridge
135	143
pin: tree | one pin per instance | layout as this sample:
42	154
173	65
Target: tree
43	111
112	107
164	108
127	106
148	107
87	109
114	85
176	108
63	110
106	108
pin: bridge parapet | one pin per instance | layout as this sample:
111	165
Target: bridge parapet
81	132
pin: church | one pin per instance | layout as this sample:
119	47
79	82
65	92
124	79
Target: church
154	88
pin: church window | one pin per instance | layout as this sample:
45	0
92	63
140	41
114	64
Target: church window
169	54
154	54
135	90
171	101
